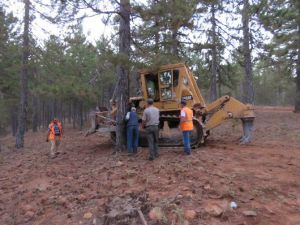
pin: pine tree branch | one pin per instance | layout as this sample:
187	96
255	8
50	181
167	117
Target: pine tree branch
230	35
98	10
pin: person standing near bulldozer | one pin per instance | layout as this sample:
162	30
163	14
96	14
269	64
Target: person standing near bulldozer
150	123
186	125
54	134
132	126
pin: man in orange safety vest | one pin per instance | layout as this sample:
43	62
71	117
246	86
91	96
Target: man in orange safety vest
54	134
186	125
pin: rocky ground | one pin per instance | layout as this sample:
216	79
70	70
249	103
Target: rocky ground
87	184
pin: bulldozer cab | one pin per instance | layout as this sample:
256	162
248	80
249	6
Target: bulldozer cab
162	86
169	85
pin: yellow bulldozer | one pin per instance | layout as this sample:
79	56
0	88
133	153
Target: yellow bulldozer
167	86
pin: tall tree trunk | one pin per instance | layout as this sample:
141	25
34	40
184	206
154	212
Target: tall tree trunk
46	110
123	73
297	100
61	114
74	114
54	108
49	109
213	83
24	81
175	43
248	95
219	93
14	120
156	34
35	111
80	114
43	113
70	112
64	113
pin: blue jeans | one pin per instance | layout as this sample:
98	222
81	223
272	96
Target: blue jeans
187	141
132	138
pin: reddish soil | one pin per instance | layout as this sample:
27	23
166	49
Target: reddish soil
87	184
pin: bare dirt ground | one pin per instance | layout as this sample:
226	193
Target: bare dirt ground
86	184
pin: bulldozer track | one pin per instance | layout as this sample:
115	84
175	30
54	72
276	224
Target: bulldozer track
197	136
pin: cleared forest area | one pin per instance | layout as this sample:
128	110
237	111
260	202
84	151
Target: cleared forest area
66	62
87	184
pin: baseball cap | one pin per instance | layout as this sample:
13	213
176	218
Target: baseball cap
150	101
183	102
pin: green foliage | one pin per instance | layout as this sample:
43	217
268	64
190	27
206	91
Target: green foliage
273	84
165	29
9	66
70	69
282	19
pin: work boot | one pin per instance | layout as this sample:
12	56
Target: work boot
151	158
187	152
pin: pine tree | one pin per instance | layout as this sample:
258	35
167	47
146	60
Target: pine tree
213	51
9	66
282	18
122	92
23	107
213	85
164	34
248	91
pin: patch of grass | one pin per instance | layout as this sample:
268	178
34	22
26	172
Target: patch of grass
265	190
172	212
231	194
179	214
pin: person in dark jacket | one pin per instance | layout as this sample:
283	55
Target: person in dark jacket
132	130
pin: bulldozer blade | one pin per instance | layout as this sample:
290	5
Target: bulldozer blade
247	129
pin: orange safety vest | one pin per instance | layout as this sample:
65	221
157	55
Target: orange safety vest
188	124
52	133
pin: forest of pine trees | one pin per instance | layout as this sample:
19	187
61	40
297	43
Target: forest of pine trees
249	49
